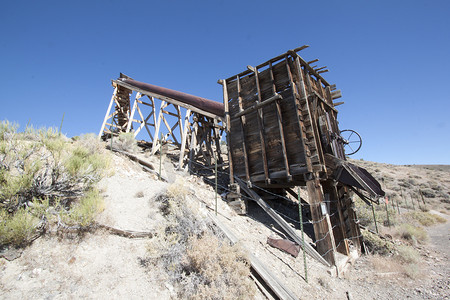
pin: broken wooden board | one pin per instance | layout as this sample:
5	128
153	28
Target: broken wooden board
269	278
286	227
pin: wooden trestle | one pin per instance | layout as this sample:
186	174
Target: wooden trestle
196	132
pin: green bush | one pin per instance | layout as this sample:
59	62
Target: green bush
83	212
42	169
17	228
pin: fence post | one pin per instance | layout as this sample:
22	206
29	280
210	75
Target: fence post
303	236
387	210
215	168
404	198
374	217
398	208
421	195
412	202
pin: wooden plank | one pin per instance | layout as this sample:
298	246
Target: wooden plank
184	138
280	126
242	123
130	122
269	278
322	231
158	125
272	60
258	105
260	118
286	227
107	112
228	129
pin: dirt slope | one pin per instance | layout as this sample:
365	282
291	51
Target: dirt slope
101	265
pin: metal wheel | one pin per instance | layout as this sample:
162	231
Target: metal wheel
352	141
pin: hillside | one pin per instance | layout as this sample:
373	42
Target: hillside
99	263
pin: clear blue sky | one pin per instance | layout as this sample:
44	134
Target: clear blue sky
391	59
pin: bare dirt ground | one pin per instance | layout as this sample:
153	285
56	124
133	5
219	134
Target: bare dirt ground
101	265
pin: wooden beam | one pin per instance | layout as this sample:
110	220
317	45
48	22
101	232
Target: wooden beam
323	233
184	138
158	125
262	136
286	227
228	129
336	94
257	106
280	126
107	112
244	144
269	278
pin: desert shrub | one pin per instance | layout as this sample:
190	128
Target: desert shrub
178	189
197	260
407	254
216	270
126	142
429	193
83	212
376	244
17	228
41	168
412	233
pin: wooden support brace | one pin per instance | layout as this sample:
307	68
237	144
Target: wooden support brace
107	112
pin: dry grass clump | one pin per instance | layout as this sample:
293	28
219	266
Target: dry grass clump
412	233
377	245
125	142
197	260
424	218
216	270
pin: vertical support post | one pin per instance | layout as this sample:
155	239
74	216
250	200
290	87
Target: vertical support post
184	138
323	233
215	171
260	118
130	121
160	158
107	113
398	208
303	236
158	125
228	129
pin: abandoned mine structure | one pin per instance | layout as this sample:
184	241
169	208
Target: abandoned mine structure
280	121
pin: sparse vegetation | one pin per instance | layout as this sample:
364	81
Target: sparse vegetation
198	261
42	170
125	142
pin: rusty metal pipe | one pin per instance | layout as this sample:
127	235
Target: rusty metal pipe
210	106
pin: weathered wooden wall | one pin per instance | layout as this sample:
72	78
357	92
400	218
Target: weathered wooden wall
281	121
